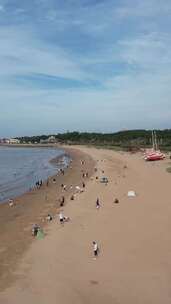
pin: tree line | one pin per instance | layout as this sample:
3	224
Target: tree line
127	138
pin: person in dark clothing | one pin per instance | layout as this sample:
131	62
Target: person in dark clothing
62	201
97	203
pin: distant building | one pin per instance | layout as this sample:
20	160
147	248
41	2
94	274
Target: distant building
4	141
49	140
14	141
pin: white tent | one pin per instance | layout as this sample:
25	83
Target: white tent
131	193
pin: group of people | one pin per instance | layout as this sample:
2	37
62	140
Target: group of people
35	229
39	184
85	174
62	217
62	171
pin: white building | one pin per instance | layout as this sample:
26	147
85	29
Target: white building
51	139
14	141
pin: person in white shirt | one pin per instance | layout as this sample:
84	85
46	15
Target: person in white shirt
61	217
95	249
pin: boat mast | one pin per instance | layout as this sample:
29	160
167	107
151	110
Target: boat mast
156	144
153	140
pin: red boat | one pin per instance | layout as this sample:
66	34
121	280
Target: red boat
154	153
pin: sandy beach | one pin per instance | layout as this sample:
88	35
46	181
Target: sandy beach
30	208
133	266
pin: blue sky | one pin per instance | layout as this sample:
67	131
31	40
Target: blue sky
84	65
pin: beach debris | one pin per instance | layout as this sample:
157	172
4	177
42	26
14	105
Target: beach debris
72	197
94	282
131	193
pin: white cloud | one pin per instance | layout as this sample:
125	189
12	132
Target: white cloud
145	8
21	53
136	94
147	51
1	8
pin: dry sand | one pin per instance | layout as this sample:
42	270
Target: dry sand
134	266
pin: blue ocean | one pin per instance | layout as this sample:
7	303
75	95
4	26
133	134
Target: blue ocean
20	168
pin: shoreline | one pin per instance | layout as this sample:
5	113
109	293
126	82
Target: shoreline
55	162
32	207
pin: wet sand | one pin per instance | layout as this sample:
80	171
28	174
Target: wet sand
134	237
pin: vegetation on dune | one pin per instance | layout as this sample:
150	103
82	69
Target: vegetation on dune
123	139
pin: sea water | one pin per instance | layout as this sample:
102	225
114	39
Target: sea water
21	168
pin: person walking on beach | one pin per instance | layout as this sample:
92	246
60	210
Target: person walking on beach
95	249
61	217
62	201
97	203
